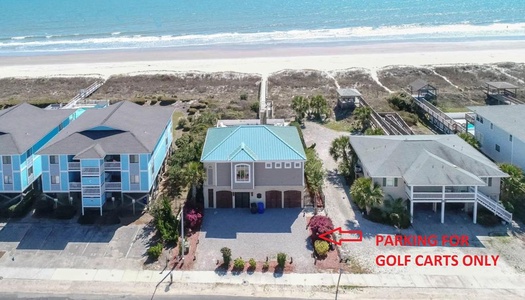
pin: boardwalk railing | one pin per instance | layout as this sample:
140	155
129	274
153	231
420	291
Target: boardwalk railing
444	123
84	94
393	124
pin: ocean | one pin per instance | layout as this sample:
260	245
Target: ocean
45	26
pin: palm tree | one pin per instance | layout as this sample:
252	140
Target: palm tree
363	114
340	148
300	105
366	194
319	107
513	187
193	176
470	139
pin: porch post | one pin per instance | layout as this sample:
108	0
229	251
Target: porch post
411	211
475	212
411	204
443	205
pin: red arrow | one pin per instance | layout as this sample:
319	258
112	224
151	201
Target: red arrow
327	236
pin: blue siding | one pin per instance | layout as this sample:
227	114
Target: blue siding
16	181
124	162
64	181
91	202
37	166
15	160
125	181
45	162
144	161
23	175
90	163
91	180
63	162
144	181
46	182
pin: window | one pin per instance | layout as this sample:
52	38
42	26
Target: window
510	138
60	127
55	179
390	181
488	180
491	126
268	165
481	120
30	171
242	173
152	167
287	165
134	158
53	159
278	165
8	179
134	179
297	165
166	141
497	147
6	160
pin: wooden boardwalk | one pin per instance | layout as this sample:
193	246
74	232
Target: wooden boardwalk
391	123
443	123
83	94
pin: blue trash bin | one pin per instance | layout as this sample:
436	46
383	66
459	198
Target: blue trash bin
260	207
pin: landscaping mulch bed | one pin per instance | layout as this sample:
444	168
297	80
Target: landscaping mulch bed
272	267
190	258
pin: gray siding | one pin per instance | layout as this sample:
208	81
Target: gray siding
392	191
243	185
223	174
277	177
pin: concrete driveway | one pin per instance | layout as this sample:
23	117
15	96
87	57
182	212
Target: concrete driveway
66	244
254	236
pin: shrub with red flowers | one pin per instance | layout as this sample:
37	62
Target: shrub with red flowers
193	215
319	225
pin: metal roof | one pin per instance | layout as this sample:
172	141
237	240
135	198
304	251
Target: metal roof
348	93
507	117
501	85
418	84
124	127
424	159
23	125
253	143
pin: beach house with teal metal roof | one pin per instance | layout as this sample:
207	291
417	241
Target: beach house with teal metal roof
253	163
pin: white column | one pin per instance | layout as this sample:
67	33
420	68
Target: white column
443	204
233	199
475	212
411	211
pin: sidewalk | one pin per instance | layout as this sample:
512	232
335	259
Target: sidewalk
513	282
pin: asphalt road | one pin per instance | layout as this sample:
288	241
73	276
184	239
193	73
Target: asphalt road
127	297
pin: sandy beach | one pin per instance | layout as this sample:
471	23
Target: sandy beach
261	60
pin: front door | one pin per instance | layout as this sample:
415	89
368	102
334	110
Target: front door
210	198
242	200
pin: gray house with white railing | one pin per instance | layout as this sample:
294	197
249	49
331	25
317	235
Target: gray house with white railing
437	169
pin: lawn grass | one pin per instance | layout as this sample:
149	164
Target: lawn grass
339	126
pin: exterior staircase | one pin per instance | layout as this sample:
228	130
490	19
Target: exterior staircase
495	207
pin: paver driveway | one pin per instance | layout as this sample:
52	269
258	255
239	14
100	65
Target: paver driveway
254	236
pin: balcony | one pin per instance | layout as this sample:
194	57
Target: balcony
113	186
449	196
75	186
112	166
91	191
91	171
73	166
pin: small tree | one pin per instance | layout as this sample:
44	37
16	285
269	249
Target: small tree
155	251
226	255
314	172
238	264
252	263
320	224
512	187
366	194
281	260
321	247
165	221
255	107
470	139
194	176
401	101
374	131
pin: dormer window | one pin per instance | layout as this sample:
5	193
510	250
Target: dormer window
242	173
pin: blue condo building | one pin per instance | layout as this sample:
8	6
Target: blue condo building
113	153
25	129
